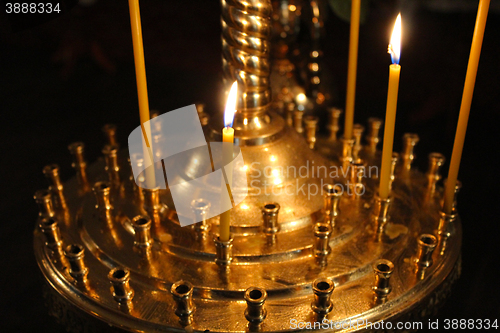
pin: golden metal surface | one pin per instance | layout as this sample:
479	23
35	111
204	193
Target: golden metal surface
313	261
285	269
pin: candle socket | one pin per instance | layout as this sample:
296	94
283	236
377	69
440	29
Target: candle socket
357	132
77	269
182	292
322	232
270	213
43	199
436	160
445	229
410	140
333	123
357	174
55	185
381	214
76	149
458	187
394	161
50	229
138	195
224	251
331	201
200	209
111	157
120	287
109	131
426	245
322	289
152	204
311	123
102	191
297	121
255	312
383	270
142	227
203	116
372	138
290	109
347	146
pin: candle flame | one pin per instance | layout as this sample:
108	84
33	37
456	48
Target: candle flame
231	105
395	45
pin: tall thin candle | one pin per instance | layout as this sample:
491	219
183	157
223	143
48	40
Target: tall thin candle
390	114
142	89
227	157
470	80
352	68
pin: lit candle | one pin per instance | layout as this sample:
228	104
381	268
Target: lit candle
142	89
390	113
470	80
227	157
351	69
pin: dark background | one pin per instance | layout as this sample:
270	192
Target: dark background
61	81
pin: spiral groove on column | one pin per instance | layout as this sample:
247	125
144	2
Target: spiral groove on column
246	47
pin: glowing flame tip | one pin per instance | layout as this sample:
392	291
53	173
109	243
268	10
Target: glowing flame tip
231	105
395	45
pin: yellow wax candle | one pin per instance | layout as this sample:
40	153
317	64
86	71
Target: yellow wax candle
351	69
227	157
390	114
142	89
470	80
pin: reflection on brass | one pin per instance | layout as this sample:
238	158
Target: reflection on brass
246	33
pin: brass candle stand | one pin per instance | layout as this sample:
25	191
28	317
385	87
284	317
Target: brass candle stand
308	249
